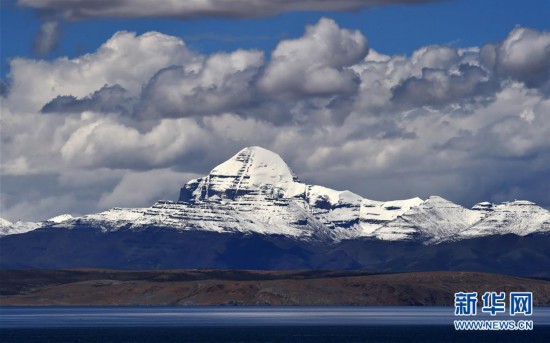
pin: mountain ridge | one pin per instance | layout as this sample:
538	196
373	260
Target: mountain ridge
252	212
255	191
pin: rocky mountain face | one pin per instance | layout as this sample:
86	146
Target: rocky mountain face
255	194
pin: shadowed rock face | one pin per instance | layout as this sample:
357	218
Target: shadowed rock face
161	248
218	287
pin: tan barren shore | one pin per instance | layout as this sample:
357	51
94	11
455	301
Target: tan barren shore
240	287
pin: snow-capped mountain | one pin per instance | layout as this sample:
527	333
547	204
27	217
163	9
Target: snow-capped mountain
252	212
517	217
435	219
255	191
377	214
9	228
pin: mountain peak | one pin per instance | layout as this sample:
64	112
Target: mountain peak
253	169
436	199
259	165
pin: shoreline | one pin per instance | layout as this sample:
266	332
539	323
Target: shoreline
237	288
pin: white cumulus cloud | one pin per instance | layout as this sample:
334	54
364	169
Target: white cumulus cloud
106	128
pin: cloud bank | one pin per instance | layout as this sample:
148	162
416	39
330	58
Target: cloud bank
54	11
103	129
188	9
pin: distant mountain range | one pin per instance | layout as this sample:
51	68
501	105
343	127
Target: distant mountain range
255	197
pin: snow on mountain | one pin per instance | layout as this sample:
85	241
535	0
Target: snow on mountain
283	217
518	217
484	207
60	218
337	210
5	226
255	191
433	220
375	214
9	228
5	223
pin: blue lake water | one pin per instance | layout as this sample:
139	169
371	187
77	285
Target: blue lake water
251	324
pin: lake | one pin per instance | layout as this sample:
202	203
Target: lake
251	324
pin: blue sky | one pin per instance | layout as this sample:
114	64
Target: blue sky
395	29
141	114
